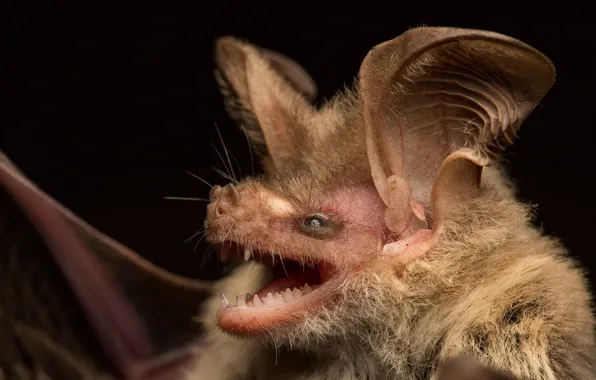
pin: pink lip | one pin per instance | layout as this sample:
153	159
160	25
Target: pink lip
250	320
285	300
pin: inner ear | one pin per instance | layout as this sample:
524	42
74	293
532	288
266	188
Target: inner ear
265	91
432	92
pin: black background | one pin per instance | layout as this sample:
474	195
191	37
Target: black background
110	104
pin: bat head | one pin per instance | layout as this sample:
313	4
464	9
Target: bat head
370	177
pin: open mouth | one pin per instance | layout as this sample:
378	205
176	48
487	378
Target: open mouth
296	286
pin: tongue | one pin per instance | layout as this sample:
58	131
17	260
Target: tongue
294	280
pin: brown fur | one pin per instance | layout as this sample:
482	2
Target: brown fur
492	286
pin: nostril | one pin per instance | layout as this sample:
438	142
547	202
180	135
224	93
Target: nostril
223	199
220	210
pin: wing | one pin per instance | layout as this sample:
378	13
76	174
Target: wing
76	304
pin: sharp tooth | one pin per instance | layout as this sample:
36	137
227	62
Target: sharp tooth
247	254
278	299
224	300
269	300
240	300
257	301
306	289
297	293
287	296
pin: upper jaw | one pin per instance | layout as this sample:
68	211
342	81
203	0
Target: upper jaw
286	261
245	251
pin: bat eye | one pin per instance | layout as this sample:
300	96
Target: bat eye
314	222
317	226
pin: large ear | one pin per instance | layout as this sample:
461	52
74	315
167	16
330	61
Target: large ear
439	104
269	94
73	297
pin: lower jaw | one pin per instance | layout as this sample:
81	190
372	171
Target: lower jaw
246	322
281	303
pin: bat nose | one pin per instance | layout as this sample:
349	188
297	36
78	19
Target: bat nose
226	198
228	190
222	207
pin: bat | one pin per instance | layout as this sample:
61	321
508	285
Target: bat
382	241
384	236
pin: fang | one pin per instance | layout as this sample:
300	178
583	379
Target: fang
240	300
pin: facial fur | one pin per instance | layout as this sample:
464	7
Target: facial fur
270	217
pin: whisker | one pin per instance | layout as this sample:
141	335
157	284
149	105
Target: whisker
223	174
208	250
225	151
237	164
252	166
193	235
186	199
283	266
199	178
198	242
207	255
221	158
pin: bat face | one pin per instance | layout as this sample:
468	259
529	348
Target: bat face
312	238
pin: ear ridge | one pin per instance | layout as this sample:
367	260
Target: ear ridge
435	91
264	91
486	67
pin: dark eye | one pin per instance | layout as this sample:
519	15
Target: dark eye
314	222
317	226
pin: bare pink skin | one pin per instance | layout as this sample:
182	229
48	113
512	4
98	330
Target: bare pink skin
250	215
